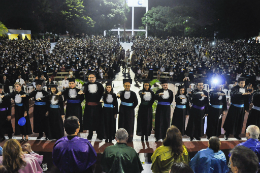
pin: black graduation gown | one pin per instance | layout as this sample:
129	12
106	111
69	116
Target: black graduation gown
235	117
109	121
5	110
179	114
93	113
74	107
214	119
145	113
127	113
254	114
40	122
56	109
195	127
20	107
163	114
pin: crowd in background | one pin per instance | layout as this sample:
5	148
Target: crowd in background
196	58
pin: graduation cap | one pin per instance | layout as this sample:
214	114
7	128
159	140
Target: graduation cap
146	81
109	84
164	81
39	82
127	80
180	87
71	79
199	80
52	85
241	79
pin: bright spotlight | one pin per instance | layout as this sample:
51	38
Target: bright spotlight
215	81
213	43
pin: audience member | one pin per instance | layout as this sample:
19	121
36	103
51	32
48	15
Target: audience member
72	154
172	150
120	157
180	168
243	160
15	160
211	160
252	135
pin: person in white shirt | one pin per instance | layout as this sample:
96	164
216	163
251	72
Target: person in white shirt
20	80
65	83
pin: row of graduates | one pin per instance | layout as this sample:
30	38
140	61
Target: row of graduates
49	110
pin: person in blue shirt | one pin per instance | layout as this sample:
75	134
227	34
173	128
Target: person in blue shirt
252	134
211	159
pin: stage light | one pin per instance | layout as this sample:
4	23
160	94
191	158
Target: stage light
215	80
213	43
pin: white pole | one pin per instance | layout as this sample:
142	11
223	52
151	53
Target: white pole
146	34
133	20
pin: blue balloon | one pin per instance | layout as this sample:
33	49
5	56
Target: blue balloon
22	121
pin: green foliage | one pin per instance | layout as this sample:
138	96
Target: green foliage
76	20
3	29
162	21
107	14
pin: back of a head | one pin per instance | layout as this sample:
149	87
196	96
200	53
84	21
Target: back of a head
174	140
244	159
181	168
3	169
12	155
214	143
121	134
253	130
71	124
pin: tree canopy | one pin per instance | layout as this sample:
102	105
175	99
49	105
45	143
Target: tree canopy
3	29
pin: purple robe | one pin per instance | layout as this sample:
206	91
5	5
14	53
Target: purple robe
75	155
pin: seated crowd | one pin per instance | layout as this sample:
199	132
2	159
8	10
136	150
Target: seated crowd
73	154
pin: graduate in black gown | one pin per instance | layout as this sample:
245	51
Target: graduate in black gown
199	110
181	110
240	104
40	122
93	109
21	110
73	97
217	108
254	114
127	108
163	110
5	116
145	112
109	112
55	114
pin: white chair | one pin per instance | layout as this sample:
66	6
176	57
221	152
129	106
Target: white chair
192	86
45	88
11	88
206	87
225	91
230	86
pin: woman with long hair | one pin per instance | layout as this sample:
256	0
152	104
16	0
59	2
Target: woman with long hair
181	109
21	110
110	111
145	112
173	150
15	161
55	114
